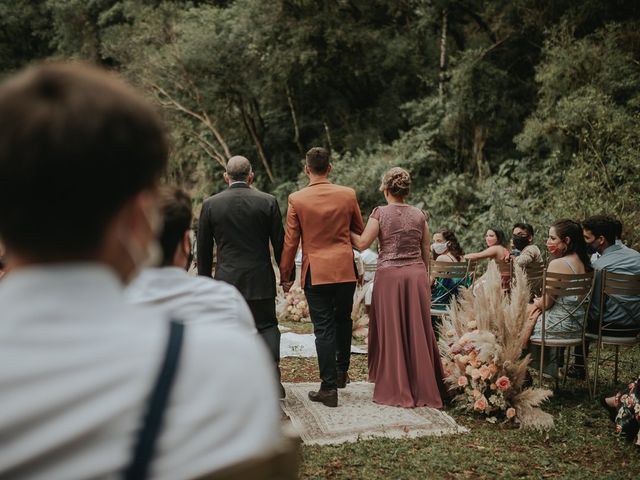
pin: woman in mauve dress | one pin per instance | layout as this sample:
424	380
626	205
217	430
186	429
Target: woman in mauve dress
404	362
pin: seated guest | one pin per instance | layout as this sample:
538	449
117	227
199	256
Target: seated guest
621	315
563	315
81	367
496	247
445	248
191	299
524	251
496	250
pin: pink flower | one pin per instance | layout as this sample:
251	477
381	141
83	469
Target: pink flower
485	372
475	374
511	412
468	348
503	383
462	381
480	404
456	349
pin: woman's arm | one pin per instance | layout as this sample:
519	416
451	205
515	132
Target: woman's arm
370	233
425	246
491	252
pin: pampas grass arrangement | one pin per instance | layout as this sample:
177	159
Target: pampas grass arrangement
481	339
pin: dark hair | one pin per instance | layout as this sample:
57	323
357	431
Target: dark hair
75	144
619	227
175	207
454	247
500	236
317	160
396	181
568	228
601	225
524	226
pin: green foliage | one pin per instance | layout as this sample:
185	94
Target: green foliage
533	117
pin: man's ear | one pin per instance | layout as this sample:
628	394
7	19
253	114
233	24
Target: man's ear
226	177
186	242
329	169
250	178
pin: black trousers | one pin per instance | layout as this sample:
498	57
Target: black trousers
330	309
264	314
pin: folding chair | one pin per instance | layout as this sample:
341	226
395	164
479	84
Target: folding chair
506	274
535	274
618	288
450	276
558	285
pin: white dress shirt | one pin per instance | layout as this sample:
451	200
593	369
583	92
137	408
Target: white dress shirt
77	364
190	299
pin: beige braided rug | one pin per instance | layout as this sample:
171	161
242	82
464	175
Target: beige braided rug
357	417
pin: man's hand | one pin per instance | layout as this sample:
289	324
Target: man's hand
286	286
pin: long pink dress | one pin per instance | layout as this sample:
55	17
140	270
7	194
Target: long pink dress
404	361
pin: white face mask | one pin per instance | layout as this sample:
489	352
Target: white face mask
439	248
142	257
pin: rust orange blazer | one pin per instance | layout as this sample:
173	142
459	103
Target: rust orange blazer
322	215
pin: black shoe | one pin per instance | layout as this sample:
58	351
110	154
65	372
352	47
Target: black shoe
611	411
576	373
329	398
342	379
283	394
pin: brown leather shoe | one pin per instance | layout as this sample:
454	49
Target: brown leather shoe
342	378
328	398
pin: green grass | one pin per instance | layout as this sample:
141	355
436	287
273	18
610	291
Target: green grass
581	445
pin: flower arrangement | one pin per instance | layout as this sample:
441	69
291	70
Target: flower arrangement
293	306
480	346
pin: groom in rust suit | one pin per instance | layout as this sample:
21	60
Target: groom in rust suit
323	214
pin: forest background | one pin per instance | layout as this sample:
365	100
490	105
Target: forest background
502	110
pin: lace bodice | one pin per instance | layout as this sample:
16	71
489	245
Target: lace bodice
400	237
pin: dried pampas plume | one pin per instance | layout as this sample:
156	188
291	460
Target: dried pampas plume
495	323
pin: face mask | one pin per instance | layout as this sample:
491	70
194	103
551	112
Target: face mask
491	241
142	257
520	242
439	248
591	249
554	249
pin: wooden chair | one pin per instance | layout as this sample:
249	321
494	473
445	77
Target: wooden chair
281	463
461	274
506	274
535	275
558	285
615	288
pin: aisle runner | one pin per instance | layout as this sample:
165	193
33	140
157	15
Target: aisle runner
357	417
304	345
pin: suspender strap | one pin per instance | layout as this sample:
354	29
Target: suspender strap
156	407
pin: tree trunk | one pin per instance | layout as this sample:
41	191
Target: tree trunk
480	134
250	126
294	118
443	54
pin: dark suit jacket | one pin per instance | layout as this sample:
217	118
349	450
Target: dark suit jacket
241	221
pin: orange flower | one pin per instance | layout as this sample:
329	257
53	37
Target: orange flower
462	381
511	412
480	404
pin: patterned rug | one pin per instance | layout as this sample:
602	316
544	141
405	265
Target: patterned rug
357	417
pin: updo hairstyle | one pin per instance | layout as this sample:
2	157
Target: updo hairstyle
397	181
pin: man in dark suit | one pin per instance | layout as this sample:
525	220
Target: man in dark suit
241	221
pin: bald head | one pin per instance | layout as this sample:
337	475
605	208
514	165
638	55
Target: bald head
238	169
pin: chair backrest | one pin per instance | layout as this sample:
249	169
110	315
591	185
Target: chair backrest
558	285
506	273
618	288
281	464
460	274
535	273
